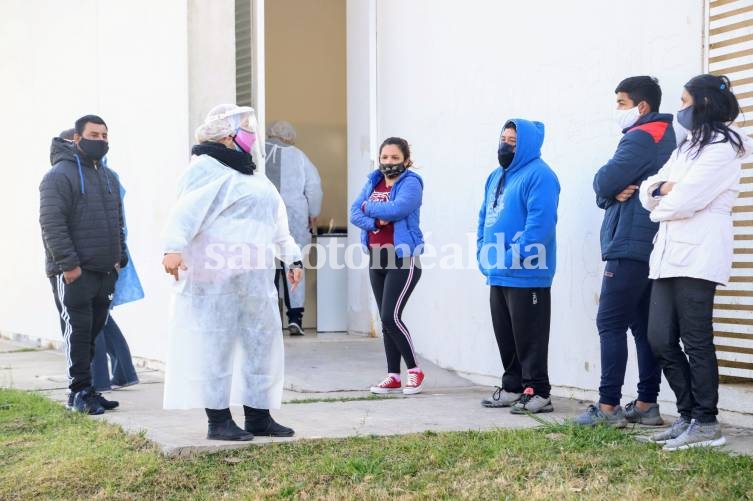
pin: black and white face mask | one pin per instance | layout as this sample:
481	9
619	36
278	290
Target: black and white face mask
392	170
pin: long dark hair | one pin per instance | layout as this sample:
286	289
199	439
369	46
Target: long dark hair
714	108
402	144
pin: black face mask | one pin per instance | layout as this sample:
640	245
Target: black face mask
94	149
505	155
392	170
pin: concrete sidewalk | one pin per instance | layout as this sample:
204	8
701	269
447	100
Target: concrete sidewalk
323	375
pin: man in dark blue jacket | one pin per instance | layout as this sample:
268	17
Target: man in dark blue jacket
627	236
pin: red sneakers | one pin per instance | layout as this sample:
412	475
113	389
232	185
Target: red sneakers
415	382
389	385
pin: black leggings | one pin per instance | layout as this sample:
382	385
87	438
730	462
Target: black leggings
393	280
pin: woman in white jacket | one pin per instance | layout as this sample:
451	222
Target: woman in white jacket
692	198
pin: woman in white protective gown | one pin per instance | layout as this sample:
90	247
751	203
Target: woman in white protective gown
221	240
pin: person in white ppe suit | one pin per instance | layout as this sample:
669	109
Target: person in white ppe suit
299	184
221	240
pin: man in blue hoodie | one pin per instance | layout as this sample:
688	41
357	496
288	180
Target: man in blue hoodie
516	251
627	236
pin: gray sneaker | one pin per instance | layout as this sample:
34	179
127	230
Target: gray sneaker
677	429
697	435
532	404
501	398
651	417
594	415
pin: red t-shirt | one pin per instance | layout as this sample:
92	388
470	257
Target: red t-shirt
383	235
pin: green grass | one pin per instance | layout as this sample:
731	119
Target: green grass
338	399
49	453
21	350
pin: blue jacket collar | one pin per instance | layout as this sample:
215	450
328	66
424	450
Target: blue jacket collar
651	117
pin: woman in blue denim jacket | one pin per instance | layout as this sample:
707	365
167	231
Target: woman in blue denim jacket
388	212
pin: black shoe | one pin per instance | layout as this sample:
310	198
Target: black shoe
260	423
227	430
86	401
295	329
69	404
107	404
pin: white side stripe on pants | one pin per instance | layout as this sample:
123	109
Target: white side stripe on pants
68	327
398	322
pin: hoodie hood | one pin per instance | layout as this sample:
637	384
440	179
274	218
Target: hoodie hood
60	150
530	137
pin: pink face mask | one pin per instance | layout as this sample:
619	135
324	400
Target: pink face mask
245	140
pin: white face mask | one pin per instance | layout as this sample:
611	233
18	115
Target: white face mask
626	118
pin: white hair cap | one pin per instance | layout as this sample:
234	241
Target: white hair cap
223	120
282	130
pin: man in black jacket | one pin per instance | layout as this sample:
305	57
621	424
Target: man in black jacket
82	229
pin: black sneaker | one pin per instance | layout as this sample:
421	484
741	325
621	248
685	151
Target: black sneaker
107	404
295	329
227	430
86	401
260	423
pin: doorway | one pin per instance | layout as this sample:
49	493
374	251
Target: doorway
305	84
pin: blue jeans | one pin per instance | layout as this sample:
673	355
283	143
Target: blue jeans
624	303
111	342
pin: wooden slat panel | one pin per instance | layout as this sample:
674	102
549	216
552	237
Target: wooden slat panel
731	55
734	349
731	13
742	81
736	64
729	27
733	321
741	280
734	307
727	379
736	365
719	3
733	335
733	293
243	55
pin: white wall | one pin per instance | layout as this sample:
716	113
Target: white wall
361	111
128	62
450	74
